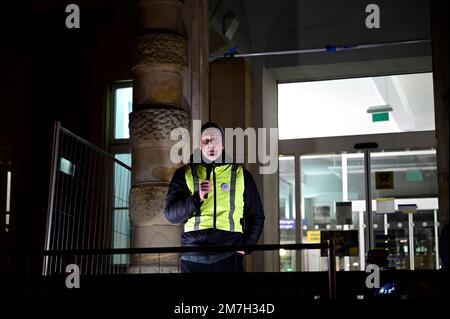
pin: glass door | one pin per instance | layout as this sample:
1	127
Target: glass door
404	196
332	201
333	191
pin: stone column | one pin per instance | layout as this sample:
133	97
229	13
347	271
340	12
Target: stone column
158	107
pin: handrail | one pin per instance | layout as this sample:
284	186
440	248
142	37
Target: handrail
329	245
156	250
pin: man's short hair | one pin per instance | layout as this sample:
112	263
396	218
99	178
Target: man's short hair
214	125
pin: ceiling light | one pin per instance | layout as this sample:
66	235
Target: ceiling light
380	108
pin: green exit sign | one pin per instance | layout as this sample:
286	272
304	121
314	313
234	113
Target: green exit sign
380	117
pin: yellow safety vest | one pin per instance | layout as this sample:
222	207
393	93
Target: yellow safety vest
224	207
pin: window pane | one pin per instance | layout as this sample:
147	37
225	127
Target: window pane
332	204
125	158
287	211
122	181
425	231
121	226
344	107
121	234
414	174
409	179
123	106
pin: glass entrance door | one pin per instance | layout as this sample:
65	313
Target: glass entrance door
403	216
332	191
404	193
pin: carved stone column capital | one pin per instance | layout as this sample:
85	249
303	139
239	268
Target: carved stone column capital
156	124
161	49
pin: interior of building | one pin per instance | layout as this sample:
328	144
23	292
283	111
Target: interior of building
348	103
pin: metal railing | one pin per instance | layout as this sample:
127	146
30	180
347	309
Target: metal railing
88	202
71	256
5	194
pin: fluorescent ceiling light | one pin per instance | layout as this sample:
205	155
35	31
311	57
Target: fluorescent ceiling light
380	108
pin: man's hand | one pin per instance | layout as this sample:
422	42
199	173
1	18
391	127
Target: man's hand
205	188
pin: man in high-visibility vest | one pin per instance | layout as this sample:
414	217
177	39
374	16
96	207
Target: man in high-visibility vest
217	203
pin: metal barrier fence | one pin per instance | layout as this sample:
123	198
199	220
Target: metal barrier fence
88	204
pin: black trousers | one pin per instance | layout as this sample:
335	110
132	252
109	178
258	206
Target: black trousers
230	264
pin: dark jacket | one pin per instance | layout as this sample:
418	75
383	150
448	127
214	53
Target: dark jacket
180	205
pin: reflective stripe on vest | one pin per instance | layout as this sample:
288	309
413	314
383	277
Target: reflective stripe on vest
229	188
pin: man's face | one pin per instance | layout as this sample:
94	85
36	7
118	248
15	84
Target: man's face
211	143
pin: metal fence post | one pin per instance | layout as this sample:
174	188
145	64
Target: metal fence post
54	164
331	269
